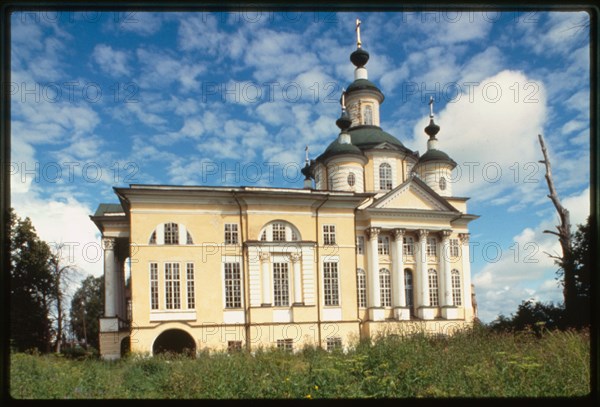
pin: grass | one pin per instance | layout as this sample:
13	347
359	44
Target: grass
470	364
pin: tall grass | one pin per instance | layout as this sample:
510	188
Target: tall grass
469	364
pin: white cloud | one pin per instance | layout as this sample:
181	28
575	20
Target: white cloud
110	61
492	138
524	269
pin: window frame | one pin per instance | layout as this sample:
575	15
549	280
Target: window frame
383	245
190	286
281	284
386	179
231	233
172	282
385	287
154	287
408	246
456	288
361	288
433	284
329	235
171	230
331	284
232	280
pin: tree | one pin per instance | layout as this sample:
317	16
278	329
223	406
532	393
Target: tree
61	274
581	263
565	261
87	307
531	315
31	286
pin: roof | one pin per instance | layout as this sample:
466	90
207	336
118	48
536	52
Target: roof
363	138
360	84
337	148
105	208
435	155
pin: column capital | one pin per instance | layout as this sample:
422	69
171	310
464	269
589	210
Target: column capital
264	256
372	232
399	234
445	233
294	257
422	233
464	237
109	243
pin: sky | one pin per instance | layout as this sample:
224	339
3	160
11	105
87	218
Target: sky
104	99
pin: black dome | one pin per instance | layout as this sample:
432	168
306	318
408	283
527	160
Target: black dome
359	58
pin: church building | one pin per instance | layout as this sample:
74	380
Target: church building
373	243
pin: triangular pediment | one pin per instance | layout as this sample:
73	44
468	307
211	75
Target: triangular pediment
413	194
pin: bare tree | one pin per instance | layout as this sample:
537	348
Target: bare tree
565	261
62	273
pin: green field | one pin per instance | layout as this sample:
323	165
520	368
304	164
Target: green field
470	364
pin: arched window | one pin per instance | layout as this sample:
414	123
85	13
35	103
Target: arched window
456	295
408	288
434	297
170	233
351	179
385	285
385	176
368	114
279	231
361	284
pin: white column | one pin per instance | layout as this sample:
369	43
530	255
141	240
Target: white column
444	262
422	269
266	279
401	312
374	297
110	278
398	292
466	272
295	258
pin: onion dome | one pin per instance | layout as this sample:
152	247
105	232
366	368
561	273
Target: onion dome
344	122
359	58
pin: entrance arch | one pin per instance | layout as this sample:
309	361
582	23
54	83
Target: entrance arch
174	341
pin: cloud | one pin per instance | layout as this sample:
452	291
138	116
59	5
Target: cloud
492	137
524	270
110	61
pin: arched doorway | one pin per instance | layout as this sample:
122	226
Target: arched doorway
125	346
174	341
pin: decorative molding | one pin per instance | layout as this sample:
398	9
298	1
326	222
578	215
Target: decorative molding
399	233
109	243
294	257
445	234
372	232
264	256
422	234
464	238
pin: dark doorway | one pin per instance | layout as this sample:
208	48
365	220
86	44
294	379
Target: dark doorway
174	341
125	346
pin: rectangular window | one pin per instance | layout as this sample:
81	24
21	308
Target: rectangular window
334	343
171	233
153	285
408	246
278	232
330	284
385	285
285	344
233	286
454	248
328	234
172	289
191	300
231	233
360	245
431	246
281	284
361	283
383	244
434	300
456	297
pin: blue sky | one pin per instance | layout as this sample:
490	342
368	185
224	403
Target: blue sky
232	98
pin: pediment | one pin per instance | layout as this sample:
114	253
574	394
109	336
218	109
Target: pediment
413	194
